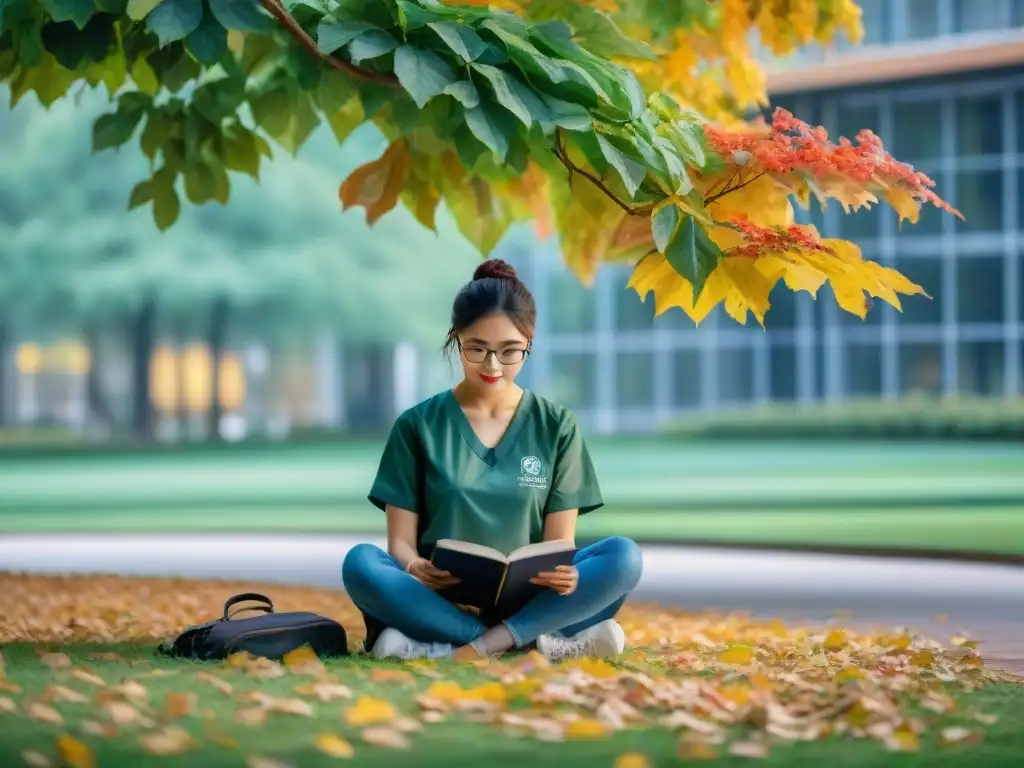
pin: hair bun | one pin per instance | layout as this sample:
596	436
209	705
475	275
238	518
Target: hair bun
496	268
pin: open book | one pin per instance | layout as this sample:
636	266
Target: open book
493	581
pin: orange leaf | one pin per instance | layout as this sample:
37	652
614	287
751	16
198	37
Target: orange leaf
74	753
376	185
368	710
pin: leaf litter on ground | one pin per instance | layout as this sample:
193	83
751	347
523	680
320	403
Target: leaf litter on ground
724	683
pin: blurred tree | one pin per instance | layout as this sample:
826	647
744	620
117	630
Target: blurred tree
537	109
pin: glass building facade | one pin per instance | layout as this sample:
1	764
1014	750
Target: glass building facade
601	352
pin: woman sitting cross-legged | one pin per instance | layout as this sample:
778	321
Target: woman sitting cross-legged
489	463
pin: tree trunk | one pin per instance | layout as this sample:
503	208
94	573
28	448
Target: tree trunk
142	352
99	406
4	373
216	341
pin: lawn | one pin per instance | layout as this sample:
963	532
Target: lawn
940	495
83	682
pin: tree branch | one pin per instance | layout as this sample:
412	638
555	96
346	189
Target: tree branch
573	168
742	184
291	26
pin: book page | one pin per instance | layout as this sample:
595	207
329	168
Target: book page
469	548
541	548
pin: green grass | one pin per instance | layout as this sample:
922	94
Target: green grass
453	745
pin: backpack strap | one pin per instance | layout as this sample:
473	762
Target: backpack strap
246	597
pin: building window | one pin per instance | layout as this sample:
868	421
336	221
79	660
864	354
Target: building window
632	314
1020	194
863	369
922	19
782	313
917	131
979	289
634	379
978	15
574	379
920	368
735	374
877	28
979	197
782	361
1018	13
686	378
849	121
979	125
571	308
926	272
981	368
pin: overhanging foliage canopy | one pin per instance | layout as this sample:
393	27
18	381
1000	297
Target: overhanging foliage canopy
539	109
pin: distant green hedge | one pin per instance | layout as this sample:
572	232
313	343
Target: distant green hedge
912	418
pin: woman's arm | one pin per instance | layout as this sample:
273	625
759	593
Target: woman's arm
561	525
402	534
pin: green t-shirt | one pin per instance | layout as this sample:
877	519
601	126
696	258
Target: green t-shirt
435	465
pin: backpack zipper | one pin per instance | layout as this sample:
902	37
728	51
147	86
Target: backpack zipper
228	647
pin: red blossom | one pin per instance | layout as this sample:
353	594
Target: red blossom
790	146
761	240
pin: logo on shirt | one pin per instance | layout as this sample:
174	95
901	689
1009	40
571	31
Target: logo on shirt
531	476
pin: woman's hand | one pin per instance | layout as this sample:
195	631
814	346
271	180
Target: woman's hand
425	571
564	579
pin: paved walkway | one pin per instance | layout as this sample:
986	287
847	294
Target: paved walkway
984	601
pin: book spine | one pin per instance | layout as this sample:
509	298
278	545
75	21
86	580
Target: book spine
501	585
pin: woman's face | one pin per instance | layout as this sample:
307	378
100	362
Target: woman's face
492	351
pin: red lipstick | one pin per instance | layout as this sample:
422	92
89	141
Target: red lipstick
490	379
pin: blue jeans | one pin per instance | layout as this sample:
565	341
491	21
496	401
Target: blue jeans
389	597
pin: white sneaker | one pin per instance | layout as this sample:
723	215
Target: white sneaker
604	640
392	644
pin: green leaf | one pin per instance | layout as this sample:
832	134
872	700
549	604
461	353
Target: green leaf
565	114
144	77
676	168
166	208
289	117
208	42
598	33
159	127
686	137
174	19
77	11
423	74
463	40
242	15
663	226
692	253
332	35
141	194
370	45
140	9
200	183
631	172
493	127
515	96
114	129
346	118
464	92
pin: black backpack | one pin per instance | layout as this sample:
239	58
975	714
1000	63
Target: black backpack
271	635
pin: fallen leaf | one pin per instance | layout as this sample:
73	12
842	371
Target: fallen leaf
96	728
737	655
7	705
121	712
180	704
325	691
88	676
903	740
219	683
251	715
749	749
291	707
400	676
55	660
368	710
170	740
106	656
63	693
692	747
586	729
922	658
36	759
129	689
632	760
304	661
9	687
74	753
382	736
222	740
835	640
334	746
431	716
957	735
44	713
265	762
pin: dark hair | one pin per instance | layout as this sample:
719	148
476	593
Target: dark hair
494	290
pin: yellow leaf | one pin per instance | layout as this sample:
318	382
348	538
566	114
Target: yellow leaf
903	740
922	658
368	710
798	275
585	728
692	746
632	760
74	753
835	640
903	202
334	746
738	655
848	673
594	667
303	660
170	740
764	201
377	184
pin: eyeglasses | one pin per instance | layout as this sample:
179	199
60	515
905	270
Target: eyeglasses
512	356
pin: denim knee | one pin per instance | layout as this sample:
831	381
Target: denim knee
628	560
357	566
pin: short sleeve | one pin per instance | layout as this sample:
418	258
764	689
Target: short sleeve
574	481
397	476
